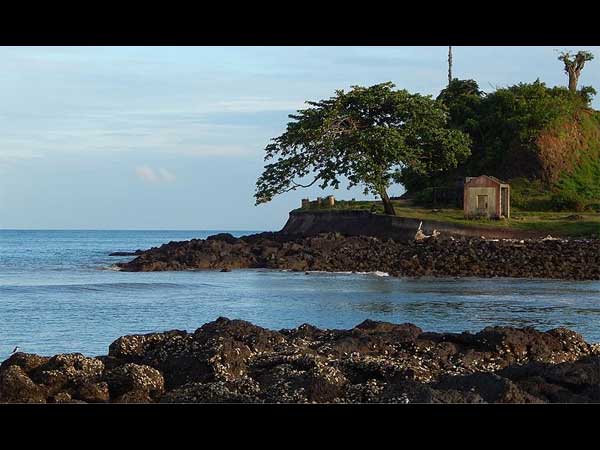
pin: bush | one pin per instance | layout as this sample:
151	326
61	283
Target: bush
424	197
569	201
530	195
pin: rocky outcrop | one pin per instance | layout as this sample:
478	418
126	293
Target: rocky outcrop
137	252
563	259
234	361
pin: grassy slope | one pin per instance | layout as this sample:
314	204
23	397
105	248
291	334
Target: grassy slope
554	223
583	182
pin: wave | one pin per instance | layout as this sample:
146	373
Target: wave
375	273
112	267
89	287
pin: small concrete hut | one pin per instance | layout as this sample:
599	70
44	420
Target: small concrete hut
486	196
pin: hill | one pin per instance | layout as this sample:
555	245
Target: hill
545	141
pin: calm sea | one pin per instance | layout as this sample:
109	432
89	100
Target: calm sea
59	294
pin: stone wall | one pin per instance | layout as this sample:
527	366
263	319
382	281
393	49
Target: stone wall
364	223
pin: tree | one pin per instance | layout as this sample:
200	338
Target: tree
574	66
504	125
365	135
461	98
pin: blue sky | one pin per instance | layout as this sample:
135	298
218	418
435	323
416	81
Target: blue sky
173	137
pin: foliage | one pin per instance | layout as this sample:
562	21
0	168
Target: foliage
511	119
504	126
424	197
462	98
576	61
364	135
530	195
587	93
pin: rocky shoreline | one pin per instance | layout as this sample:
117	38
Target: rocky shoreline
234	361
541	258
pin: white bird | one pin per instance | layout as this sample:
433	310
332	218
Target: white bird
15	350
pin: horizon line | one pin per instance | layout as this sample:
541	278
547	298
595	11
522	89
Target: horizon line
127	229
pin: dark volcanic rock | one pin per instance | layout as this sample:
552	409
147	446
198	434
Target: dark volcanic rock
67	372
225	237
93	392
244	390
17	387
26	361
490	387
136	253
232	361
133	378
334	252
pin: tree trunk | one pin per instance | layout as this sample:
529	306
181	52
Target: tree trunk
573	78
388	207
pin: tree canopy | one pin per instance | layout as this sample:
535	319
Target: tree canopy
526	131
573	65
365	135
462	98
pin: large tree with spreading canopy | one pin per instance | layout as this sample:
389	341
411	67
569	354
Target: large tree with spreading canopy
365	135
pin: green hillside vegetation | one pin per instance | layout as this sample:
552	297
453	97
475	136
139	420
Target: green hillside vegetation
544	141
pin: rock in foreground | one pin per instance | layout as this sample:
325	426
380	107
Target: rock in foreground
333	252
235	361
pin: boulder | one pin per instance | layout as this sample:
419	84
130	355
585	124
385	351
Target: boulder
93	392
26	361
17	387
67	371
239	391
131	377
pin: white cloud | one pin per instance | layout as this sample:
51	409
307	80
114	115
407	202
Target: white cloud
150	175
146	173
166	175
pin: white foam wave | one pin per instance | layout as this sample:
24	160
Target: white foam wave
375	273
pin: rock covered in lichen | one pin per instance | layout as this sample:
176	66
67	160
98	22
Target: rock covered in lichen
233	361
134	378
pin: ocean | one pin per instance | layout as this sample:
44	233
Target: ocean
60	293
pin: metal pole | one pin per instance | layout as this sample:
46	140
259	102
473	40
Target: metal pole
449	64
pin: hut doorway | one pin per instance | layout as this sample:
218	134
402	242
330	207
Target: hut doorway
504	202
482	205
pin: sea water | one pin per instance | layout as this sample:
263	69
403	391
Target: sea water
60	292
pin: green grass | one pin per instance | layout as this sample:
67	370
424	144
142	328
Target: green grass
550	222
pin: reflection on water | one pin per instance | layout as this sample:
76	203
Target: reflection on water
54	297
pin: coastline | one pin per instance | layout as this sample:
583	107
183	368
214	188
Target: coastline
234	361
333	252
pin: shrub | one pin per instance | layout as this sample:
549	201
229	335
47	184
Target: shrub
569	201
424	197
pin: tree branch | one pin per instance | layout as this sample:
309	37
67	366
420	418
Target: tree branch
297	185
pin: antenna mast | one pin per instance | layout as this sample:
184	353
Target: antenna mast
449	64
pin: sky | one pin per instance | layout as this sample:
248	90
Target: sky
174	137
